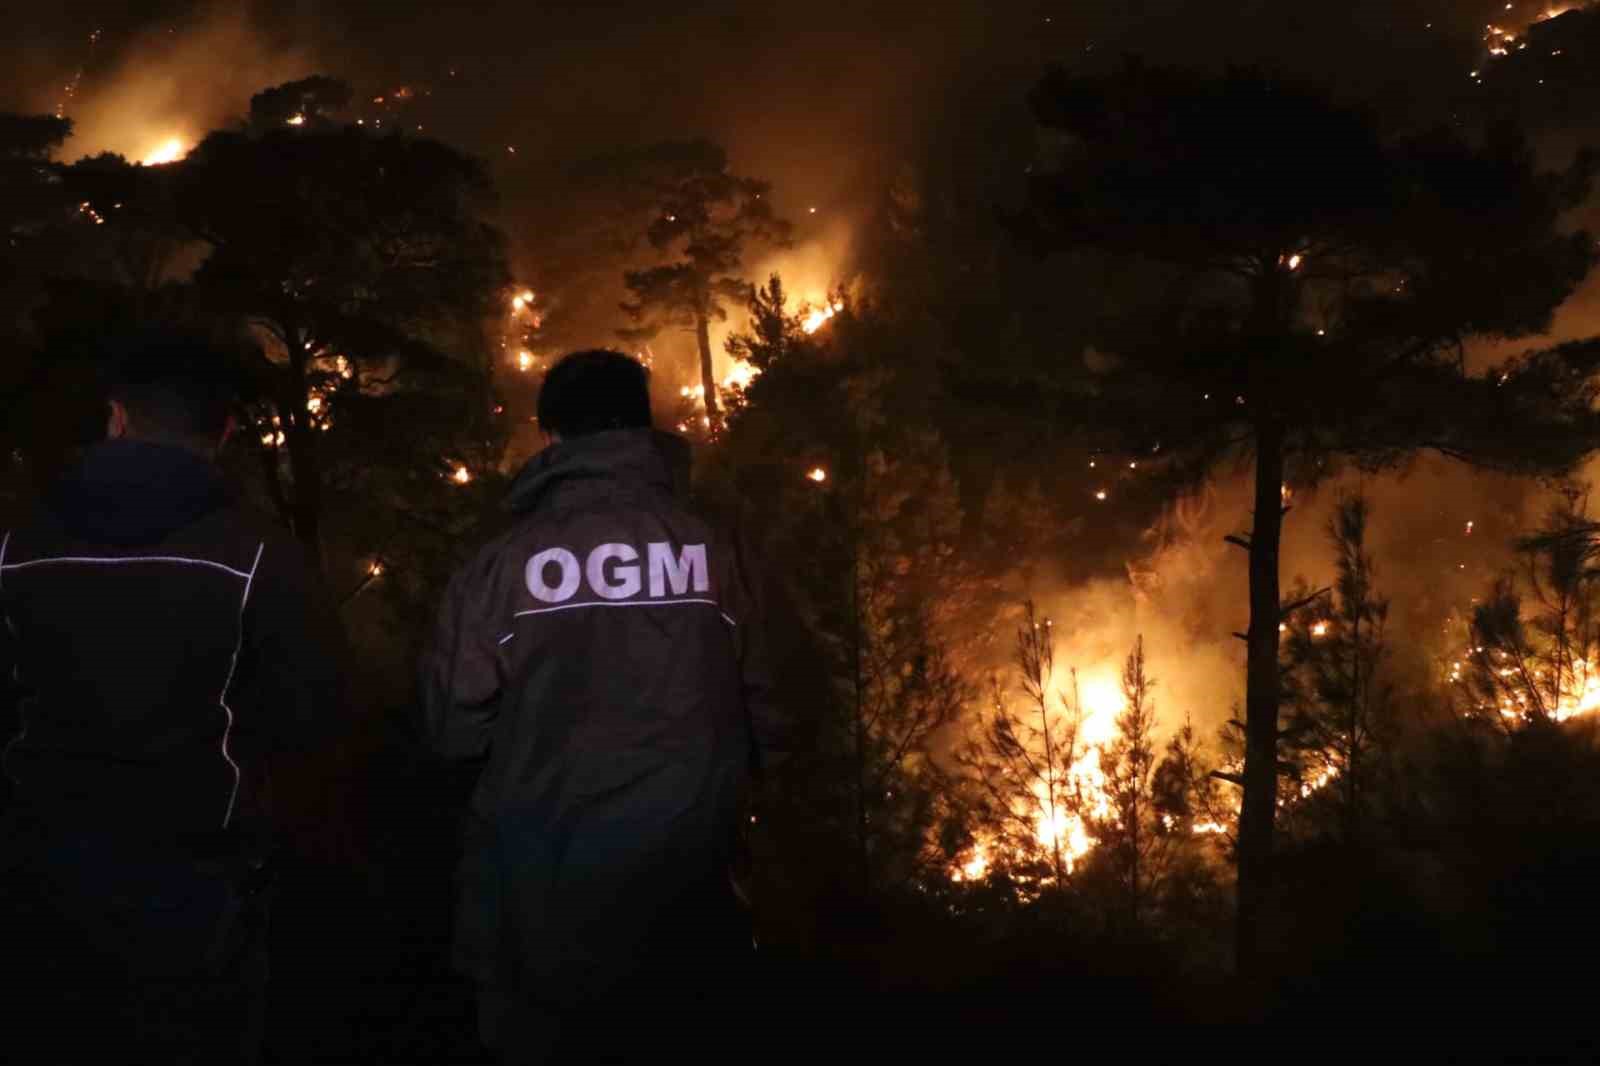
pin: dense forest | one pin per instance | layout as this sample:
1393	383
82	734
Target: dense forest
1100	491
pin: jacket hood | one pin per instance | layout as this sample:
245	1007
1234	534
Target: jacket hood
127	492
646	457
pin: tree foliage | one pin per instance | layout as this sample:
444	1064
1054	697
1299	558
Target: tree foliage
700	220
870	569
1338	697
367	267
1031	808
1535	639
1311	284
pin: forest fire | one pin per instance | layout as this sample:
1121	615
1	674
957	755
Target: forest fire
1524	691
169	150
964	412
818	317
1502	40
1067	803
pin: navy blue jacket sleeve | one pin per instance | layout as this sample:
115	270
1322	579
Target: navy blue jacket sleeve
771	719
293	656
460	682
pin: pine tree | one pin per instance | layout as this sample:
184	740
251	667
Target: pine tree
1310	282
1135	842
1336	695
1534	656
1022	761
817	471
700	219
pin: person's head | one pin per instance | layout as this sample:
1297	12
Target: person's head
593	391
173	387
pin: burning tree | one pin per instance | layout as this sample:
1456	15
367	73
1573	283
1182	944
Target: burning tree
1311	284
869	523
1540	666
1134	841
1155	817
1033	809
130	235
1337	698
314	101
364	264
701	219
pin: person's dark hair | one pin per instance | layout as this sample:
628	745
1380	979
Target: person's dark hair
593	391
173	383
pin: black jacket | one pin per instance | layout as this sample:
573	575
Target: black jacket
161	643
608	656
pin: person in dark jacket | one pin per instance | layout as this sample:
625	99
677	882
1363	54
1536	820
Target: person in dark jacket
162	643
606	658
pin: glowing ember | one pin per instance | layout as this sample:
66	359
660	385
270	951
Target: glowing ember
817	474
524	361
376	569
461	476
1320	629
296	120
1101	495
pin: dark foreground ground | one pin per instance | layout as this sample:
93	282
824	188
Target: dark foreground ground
1504	937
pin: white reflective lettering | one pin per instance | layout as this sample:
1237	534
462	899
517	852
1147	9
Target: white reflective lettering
569	575
678	569
625	573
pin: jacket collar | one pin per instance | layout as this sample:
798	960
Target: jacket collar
135	492
640	457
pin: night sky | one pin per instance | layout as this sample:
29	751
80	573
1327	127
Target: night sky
817	97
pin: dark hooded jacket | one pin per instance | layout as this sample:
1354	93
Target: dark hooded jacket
607	656
160	643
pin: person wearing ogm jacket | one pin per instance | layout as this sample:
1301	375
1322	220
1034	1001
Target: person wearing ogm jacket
605	658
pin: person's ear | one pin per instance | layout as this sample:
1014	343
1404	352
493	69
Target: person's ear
117	421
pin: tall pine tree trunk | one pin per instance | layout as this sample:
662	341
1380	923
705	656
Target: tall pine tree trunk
1262	683
305	472
708	377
